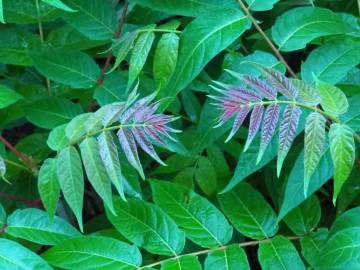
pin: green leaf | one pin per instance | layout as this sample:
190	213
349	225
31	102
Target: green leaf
57	139
190	8
110	158
8	96
205	176
122	47
342	149
297	27
71	179
249	212
1	12
183	205
15	46
304	218
76	128
25	12
72	68
331	61
95	170
334	100
261	5
312	244
139	55
165	59
314	145
3	169
58	4
48	186
147	226
341	251
232	257
201	40
94	252
15	256
2	216
279	253
51	112
181	263
95	19
347	220
34	225
307	94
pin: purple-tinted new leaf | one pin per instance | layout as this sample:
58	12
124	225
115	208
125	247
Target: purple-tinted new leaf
255	121
239	119
287	135
270	122
260	86
128	145
281	83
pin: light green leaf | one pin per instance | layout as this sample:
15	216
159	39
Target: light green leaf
147	226
331	61
334	100
76	128
232	257
34	225
261	5
121	48
58	4
139	55
71	179
347	220
1	12
94	253
341	251
2	216
8	96
201	40
342	149
25	12
205	176
73	68
95	170
307	94
314	145
279	253
3	169
165	59
312	244
249	212
297	27
304	218
48	186
57	139
15	256
51	112
182	204
110	158
182	263
96	19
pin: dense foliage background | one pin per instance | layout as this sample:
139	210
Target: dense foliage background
125	141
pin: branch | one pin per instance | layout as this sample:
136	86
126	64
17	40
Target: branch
266	38
29	202
206	251
28	161
116	35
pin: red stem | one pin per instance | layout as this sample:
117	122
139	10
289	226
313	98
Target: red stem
116	35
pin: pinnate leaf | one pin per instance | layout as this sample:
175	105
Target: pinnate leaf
333	100
314	145
255	122
342	149
287	134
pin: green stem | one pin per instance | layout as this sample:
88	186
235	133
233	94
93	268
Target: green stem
159	30
206	251
18	165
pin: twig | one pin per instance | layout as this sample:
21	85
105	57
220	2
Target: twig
41	32
28	161
266	38
116	35
16	198
206	251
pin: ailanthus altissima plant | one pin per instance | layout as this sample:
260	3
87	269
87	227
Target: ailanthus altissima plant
179	135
